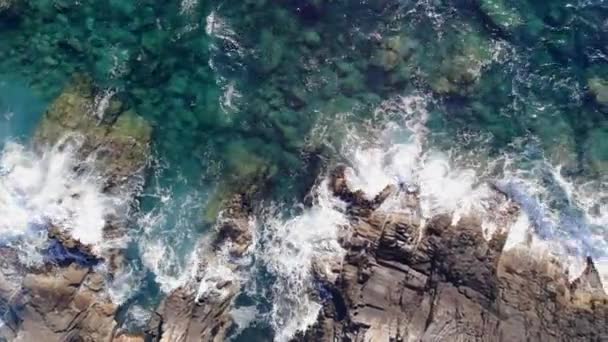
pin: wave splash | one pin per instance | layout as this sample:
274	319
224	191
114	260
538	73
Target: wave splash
290	249
564	216
52	189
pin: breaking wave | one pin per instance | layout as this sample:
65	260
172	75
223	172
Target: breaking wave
290	249
564	215
52	189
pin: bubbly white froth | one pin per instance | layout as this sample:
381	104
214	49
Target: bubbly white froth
289	248
52	188
401	156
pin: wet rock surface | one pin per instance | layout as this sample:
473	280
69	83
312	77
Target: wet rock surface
202	312
66	298
61	303
405	281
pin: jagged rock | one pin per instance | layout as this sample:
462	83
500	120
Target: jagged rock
196	312
65	299
589	281
402	281
55	306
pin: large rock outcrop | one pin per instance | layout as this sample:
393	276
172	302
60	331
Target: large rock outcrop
66	298
403	280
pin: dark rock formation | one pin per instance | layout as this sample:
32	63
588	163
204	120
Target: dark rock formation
404	281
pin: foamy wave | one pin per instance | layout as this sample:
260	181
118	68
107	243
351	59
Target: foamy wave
167	241
53	189
402	157
290	248
564	216
243	318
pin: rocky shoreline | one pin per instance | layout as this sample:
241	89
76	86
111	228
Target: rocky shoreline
402	282
67	298
403	278
405	281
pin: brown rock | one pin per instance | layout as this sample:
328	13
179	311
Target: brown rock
442	282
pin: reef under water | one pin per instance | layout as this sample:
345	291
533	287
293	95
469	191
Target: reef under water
450	99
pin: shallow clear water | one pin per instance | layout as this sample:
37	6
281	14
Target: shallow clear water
439	94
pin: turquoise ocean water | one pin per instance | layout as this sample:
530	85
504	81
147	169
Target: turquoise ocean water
272	92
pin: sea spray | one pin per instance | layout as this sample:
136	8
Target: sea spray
566	215
167	240
289	247
53	188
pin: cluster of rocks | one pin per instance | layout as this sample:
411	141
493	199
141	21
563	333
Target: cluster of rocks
406	281
67	299
200	310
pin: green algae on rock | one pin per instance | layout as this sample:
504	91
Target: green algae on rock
120	140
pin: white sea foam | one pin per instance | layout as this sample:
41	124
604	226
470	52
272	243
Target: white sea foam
243	317
289	248
402	157
566	216
188	6
52	188
167	241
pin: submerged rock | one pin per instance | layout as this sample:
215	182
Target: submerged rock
461	68
502	15
596	150
402	281
120	142
391	52
599	89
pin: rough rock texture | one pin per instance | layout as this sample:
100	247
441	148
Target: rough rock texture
202	312
68	300
63	303
400	282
